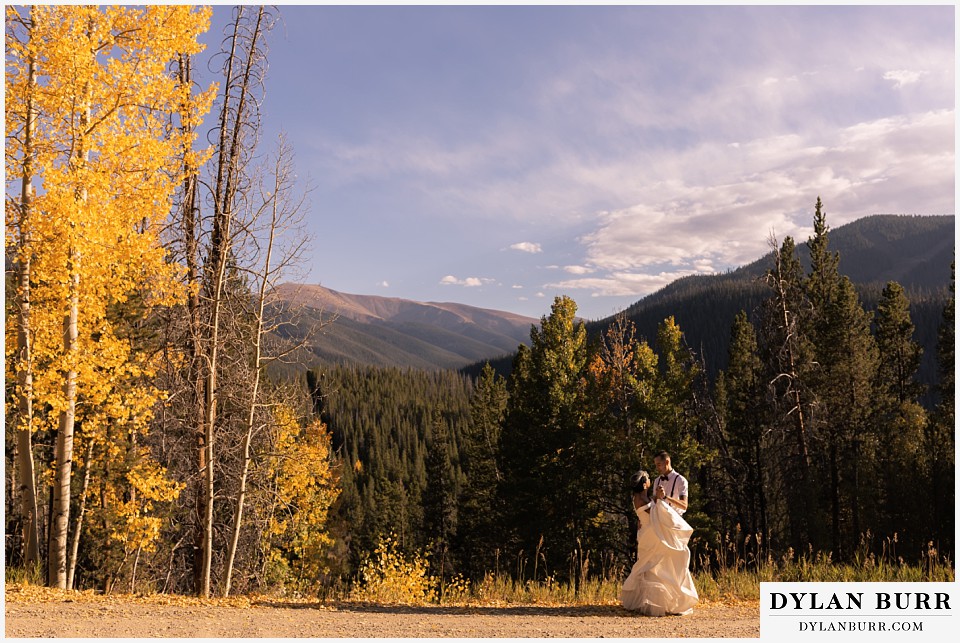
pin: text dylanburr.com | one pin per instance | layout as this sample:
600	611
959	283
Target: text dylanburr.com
844	610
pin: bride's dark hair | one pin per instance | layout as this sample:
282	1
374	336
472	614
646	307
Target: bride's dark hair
639	480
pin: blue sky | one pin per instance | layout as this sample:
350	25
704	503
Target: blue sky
502	155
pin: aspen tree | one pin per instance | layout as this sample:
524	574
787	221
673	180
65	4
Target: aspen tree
20	157
108	169
302	489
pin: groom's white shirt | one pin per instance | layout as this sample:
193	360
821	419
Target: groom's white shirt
674	486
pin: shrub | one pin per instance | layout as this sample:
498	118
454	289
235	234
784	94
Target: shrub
388	576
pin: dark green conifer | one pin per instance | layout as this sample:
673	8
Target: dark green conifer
788	362
847	372
542	490
901	422
941	438
742	399
479	540
439	496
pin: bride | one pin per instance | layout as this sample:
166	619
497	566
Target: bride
660	582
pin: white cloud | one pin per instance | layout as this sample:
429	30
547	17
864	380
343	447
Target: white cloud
688	225
469	282
527	246
622	284
577	270
384	284
901	77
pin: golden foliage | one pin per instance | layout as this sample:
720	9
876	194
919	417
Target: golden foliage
388	576
304	489
104	160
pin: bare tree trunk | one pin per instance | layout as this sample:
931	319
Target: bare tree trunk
228	171
28	484
191	230
75	545
133	573
278	186
794	391
210	403
800	513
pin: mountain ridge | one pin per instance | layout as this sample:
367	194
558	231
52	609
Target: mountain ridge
380	308
390	331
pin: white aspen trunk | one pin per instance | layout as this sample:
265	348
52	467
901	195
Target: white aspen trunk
75	543
25	466
63	455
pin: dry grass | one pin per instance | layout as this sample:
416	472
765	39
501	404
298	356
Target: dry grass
390	577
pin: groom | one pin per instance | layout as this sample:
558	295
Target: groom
671	487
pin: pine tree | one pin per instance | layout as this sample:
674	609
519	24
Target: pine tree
848	363
899	354
478	541
900	420
542	489
439	497
940	442
823	281
787	359
620	435
745	411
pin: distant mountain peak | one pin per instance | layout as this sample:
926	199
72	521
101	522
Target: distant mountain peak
390	331
376	307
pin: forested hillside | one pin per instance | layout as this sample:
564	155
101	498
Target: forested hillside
914	251
400	436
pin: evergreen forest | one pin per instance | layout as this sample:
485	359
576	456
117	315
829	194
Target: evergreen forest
161	436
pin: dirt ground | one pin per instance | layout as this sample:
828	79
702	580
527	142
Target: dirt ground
65	615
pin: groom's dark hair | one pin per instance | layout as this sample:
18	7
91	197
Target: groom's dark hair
663	455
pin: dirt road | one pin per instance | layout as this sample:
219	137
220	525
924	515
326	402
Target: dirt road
134	617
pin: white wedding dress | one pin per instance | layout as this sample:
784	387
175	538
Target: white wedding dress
660	582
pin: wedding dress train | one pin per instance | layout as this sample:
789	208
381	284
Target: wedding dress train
660	582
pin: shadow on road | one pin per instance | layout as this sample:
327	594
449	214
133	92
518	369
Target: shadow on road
572	611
